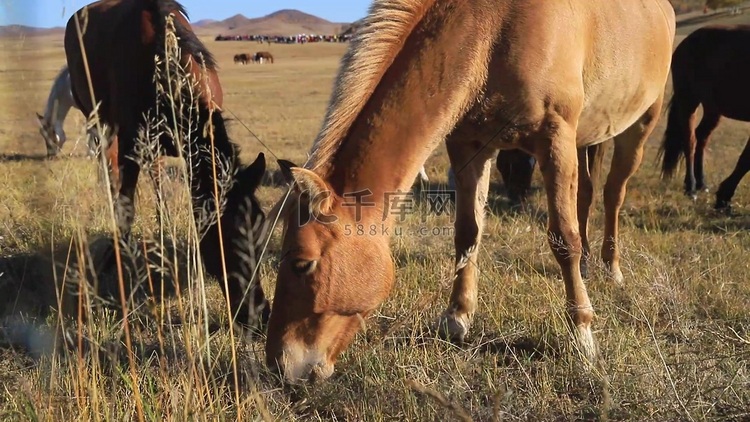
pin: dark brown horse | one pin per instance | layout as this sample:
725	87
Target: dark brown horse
243	58
262	56
111	46
709	68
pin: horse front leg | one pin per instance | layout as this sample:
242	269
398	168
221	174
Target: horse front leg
125	172
726	189
555	148
472	178
123	178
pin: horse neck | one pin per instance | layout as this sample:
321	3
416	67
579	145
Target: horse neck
417	102
60	101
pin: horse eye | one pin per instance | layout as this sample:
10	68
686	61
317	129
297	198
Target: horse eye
304	266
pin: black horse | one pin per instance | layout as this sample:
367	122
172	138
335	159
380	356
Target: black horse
709	68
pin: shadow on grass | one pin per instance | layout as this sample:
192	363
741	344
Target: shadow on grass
521	347
696	218
36	287
10	158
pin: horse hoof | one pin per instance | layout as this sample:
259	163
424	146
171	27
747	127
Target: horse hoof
723	207
691	193
584	340
616	276
722	204
453	328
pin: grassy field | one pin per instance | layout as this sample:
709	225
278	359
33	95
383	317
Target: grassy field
675	336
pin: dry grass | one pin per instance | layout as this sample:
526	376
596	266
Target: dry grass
675	336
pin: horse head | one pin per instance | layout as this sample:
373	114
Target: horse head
328	281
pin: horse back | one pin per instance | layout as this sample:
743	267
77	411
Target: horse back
710	66
602	63
115	46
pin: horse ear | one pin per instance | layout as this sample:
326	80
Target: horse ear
317	189
252	175
308	182
286	170
39	117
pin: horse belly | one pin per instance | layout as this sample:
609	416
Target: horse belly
728	94
609	116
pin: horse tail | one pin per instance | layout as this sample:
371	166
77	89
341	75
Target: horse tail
670	152
681	106
596	155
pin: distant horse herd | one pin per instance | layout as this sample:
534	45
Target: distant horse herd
291	39
259	57
407	83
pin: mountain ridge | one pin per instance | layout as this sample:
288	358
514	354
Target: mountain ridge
282	22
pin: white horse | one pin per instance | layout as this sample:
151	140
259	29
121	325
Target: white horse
59	103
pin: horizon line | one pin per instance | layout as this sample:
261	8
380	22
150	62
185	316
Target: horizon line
193	21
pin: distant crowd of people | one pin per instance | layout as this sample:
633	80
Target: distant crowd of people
292	39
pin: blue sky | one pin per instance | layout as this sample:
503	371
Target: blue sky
50	13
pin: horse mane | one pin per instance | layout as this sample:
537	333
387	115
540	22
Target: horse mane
189	43
371	52
187	40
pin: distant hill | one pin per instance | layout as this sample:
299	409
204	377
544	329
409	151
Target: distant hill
204	22
23	30
283	22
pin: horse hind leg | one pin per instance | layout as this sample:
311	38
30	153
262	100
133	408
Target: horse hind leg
589	169
726	189
708	123
472	185
679	137
627	158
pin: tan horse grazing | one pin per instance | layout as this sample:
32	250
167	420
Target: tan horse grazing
546	77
